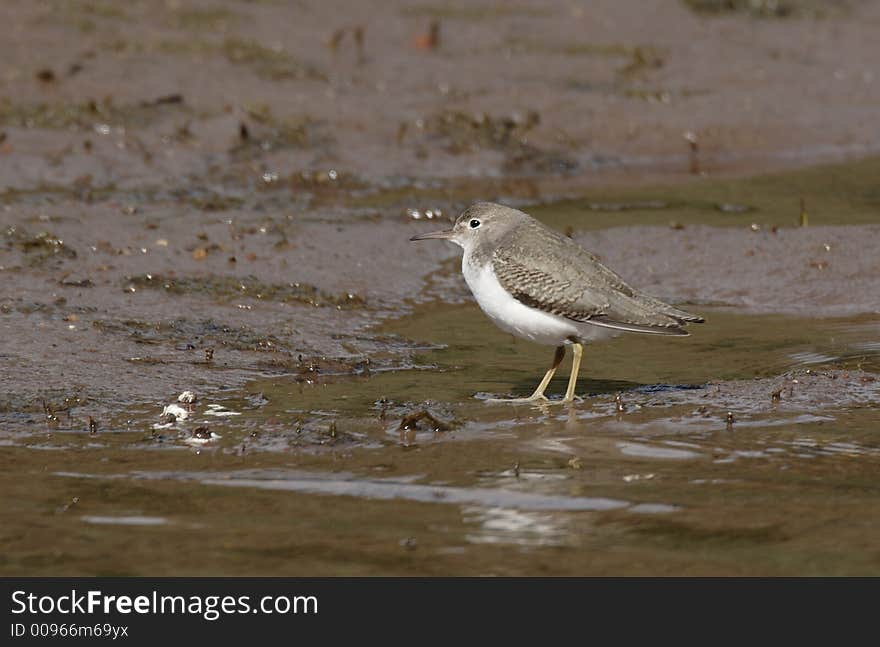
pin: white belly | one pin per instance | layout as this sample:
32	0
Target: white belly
519	319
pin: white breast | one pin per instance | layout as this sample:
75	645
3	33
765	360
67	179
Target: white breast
519	319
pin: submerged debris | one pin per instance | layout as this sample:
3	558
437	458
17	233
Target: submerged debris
67	506
101	116
412	420
187	334
51	418
642	205
265	131
174	413
409	543
75	282
230	287
768	8
164	99
641	60
461	132
273	64
257	400
201	435
38	247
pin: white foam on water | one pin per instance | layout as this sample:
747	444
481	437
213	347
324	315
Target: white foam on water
650	451
133	520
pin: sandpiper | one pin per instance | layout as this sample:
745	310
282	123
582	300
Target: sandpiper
543	287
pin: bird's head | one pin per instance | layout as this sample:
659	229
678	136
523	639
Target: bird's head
482	223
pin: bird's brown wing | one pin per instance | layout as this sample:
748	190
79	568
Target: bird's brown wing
566	280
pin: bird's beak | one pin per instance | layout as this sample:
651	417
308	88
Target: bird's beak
442	235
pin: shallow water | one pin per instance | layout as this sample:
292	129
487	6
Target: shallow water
828	195
334	475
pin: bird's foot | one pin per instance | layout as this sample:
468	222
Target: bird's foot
538	400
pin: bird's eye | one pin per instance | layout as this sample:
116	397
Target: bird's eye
475	223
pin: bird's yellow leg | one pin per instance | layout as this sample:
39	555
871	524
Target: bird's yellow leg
578	352
539	392
557	360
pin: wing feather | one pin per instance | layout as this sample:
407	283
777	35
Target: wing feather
568	281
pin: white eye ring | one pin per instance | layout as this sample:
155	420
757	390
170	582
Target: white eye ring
474	223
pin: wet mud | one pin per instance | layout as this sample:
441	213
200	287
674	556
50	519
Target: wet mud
221	355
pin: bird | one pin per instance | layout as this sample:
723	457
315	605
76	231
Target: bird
541	286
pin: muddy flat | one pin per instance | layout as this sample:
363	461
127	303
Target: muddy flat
222	355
